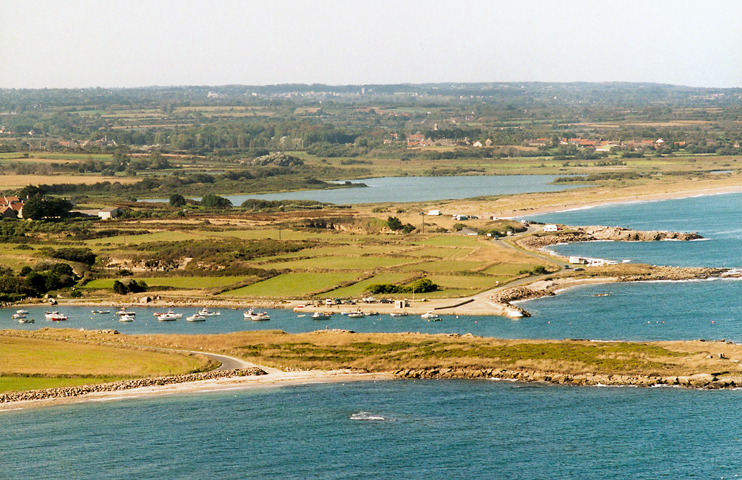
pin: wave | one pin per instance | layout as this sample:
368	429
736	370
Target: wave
370	417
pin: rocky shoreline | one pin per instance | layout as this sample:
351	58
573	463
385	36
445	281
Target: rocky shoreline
66	392
596	233
699	381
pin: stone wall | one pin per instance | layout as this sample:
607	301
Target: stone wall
63	392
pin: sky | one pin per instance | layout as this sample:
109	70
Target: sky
136	43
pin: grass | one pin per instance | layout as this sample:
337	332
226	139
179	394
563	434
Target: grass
470	282
175	282
440	252
294	285
390	352
444	266
341	263
62	359
9	383
358	289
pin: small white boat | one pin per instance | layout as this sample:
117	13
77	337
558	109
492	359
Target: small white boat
22	312
256	316
101	312
356	315
26	320
55	316
169	317
430	316
17	316
196	317
126	318
124	311
398	314
320	316
205	312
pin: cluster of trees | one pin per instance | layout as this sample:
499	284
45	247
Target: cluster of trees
423	285
132	286
395	224
36	281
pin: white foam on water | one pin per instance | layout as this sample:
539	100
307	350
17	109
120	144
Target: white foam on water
369	417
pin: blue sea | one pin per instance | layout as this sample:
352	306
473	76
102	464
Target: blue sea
394	429
434	428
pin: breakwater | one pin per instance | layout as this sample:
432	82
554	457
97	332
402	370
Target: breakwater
66	392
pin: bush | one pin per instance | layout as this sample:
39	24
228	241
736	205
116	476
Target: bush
215	201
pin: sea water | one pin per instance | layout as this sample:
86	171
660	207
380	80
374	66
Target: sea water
717	218
393	429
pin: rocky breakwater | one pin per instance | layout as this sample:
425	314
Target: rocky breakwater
701	381
595	233
66	392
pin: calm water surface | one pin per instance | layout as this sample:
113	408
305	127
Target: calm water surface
394	429
418	189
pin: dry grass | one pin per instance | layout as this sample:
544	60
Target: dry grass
389	352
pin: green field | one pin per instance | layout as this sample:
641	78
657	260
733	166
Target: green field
342	263
175	282
293	285
358	289
444	266
29	363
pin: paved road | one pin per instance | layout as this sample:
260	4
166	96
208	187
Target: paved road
232	363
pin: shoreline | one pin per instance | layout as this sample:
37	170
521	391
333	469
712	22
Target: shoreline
274	378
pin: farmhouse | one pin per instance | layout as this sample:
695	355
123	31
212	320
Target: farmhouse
551	228
104	213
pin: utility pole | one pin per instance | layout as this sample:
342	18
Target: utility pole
423	215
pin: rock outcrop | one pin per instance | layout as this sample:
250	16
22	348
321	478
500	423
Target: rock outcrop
593	233
701	381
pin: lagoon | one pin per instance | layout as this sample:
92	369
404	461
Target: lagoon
417	189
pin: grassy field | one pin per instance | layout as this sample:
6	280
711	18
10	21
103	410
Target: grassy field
33	362
185	283
293	285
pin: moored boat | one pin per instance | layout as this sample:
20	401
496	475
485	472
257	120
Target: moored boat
398	314
256	316
358	314
169	317
22	312
205	312
126	318
320	316
430	316
196	317
100	312
124	311
55	316
17	316
26	320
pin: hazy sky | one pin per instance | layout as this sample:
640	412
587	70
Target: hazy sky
86	43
